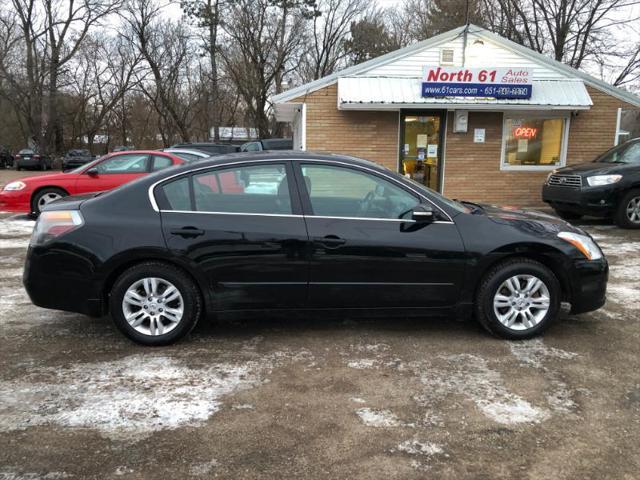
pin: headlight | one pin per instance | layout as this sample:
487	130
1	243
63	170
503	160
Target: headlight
15	186
585	244
599	180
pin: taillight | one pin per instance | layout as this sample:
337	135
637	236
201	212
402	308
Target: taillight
36	156
55	223
18	156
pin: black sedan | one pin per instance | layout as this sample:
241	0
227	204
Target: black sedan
296	231
607	187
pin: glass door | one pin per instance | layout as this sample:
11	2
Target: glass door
420	148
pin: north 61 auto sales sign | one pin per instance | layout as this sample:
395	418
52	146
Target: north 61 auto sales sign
503	82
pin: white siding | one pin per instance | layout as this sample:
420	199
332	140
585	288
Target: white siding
488	54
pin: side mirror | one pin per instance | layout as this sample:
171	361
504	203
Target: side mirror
423	213
92	172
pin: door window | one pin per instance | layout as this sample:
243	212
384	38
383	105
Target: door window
260	189
345	192
130	163
160	162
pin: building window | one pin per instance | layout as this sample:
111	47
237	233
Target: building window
534	142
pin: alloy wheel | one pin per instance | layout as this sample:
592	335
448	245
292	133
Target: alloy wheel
46	199
153	306
521	302
633	210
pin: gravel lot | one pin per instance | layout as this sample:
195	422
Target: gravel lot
265	397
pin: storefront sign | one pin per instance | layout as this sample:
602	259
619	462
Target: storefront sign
503	82
525	132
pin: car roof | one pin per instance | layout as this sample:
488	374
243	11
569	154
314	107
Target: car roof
292	155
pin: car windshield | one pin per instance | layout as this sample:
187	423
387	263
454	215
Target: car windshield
86	166
626	153
452	203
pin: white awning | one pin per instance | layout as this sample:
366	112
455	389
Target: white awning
393	93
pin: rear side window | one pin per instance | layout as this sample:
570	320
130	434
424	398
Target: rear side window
250	189
262	189
177	194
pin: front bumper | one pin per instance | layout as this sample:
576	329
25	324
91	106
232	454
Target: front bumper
593	201
15	201
60	280
589	285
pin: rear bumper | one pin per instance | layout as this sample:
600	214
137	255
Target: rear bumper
589	285
59	280
31	163
594	201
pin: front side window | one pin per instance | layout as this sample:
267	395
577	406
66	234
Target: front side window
132	163
531	141
255	189
345	192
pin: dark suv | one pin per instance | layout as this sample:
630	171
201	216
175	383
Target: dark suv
267	144
607	187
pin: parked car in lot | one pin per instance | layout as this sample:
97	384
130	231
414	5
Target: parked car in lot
607	187
188	155
28	158
267	144
284	231
210	148
76	158
31	194
6	159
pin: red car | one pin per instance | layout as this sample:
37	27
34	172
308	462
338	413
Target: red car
29	195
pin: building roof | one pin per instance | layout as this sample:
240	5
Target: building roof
355	93
362	68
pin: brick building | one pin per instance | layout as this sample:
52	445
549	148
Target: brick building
467	113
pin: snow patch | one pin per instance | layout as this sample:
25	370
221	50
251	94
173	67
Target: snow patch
204	468
469	376
129	398
371	348
534	352
378	418
13	474
11	227
362	363
414	447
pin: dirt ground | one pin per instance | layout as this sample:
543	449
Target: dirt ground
264	397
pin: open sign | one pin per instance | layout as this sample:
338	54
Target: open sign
525	132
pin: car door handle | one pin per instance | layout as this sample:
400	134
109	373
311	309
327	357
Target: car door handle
331	241
187	232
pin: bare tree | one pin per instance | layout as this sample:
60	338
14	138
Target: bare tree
263	39
168	52
327	40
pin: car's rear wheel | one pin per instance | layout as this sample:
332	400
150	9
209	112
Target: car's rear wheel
518	299
628	212
155	304
568	215
45	196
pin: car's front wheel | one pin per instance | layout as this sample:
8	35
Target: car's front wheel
628	212
155	303
518	299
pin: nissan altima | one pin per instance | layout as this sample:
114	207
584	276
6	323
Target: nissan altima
299	232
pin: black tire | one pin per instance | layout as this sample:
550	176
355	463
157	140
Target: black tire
192	310
621	217
35	201
568	215
18	168
492	281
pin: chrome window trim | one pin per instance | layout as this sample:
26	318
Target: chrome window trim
154	204
287	215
